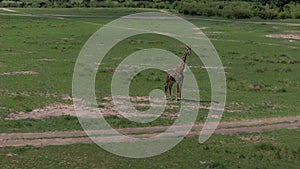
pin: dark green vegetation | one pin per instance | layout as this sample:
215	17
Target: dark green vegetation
240	9
262	73
265	9
274	149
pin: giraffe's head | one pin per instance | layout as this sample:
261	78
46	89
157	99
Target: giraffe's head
188	50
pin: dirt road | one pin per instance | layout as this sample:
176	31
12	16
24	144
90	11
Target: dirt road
74	137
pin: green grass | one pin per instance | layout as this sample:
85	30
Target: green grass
66	123
262	75
63	123
262	81
273	149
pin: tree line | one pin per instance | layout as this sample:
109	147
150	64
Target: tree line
236	9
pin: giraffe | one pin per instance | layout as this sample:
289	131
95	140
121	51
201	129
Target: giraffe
177	76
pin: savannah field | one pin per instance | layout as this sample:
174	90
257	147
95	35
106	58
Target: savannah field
39	128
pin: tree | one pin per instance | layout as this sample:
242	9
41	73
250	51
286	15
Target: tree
281	3
87	3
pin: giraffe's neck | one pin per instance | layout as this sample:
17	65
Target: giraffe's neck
184	57
181	65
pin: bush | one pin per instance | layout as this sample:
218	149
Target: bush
285	15
296	15
268	14
237	9
242	14
11	4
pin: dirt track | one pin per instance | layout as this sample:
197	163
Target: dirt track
74	137
241	21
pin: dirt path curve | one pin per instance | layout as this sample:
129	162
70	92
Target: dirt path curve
73	137
241	21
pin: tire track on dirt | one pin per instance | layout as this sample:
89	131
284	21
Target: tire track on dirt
242	21
75	137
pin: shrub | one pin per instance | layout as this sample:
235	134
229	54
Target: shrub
271	14
285	15
242	14
296	14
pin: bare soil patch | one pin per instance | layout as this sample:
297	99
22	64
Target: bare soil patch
284	36
48	111
203	28
293	31
214	32
20	73
46	59
241	21
107	108
260	43
8	10
210	67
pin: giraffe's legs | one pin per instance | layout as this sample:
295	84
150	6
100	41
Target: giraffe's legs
170	89
178	94
167	84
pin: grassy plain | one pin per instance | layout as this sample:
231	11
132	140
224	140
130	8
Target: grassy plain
272	149
262	73
262	81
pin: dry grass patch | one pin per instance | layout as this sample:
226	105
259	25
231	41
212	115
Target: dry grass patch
46	59
107	109
284	36
48	111
7	10
19	73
